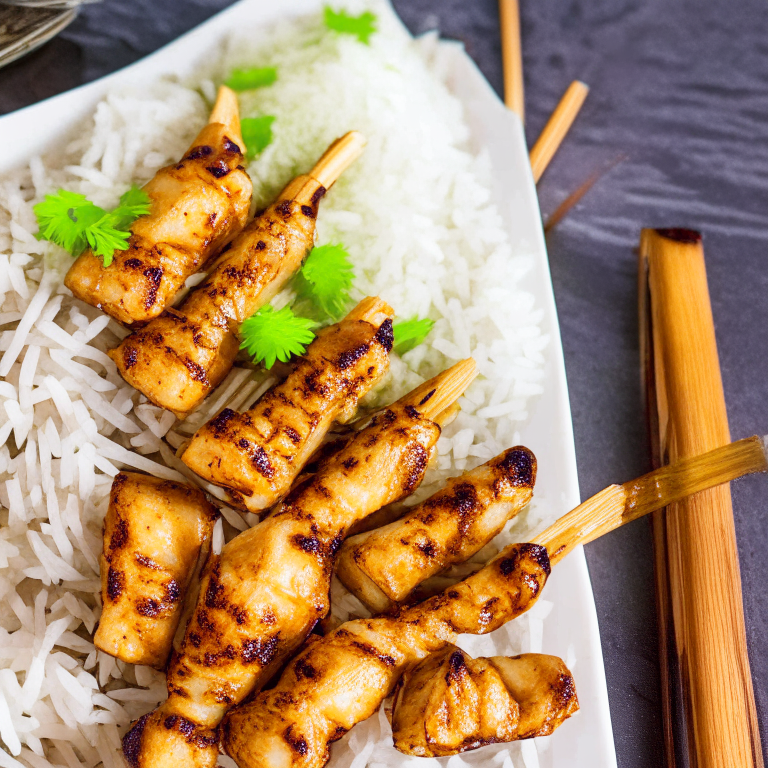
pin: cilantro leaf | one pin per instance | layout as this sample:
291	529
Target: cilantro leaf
268	335
326	278
362	26
63	218
133	203
410	333
257	133
73	222
248	79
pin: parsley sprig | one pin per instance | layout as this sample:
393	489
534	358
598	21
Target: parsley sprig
410	333
326	278
270	335
322	290
257	134
73	222
362	26
248	79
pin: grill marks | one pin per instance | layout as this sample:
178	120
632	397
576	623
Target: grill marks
256	455
447	528
510	566
115	583
132	742
308	695
153	532
199	339
260	651
301	538
386	335
520	466
197	205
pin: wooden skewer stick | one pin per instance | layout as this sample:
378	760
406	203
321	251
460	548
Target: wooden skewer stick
619	504
227	112
439	394
512	56
557	127
338	157
306	188
705	666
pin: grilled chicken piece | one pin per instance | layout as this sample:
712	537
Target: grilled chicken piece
198	205
451	703
256	455
261	598
383	567
181	356
341	679
544	689
155	531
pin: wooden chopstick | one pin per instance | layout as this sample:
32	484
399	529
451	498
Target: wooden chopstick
702	632
575	197
512	56
557	127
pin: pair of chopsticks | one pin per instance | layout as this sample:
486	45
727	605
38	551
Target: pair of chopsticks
567	108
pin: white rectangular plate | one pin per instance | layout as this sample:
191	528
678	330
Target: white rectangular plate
571	630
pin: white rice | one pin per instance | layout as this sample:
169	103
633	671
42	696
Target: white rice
416	214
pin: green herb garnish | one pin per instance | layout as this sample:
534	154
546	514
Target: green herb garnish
410	333
268	335
248	79
257	133
73	222
362	26
325	279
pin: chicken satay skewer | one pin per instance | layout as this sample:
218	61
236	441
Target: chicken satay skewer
197	206
342	678
256	455
181	356
384	567
261	597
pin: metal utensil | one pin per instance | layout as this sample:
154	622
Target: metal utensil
24	29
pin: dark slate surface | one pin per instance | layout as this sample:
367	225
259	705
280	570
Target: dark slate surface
682	89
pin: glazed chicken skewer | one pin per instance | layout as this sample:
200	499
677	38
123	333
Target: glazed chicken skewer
341	679
261	597
451	703
384	566
197	206
181	356
255	456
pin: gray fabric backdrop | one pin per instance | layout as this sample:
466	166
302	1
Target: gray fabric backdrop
681	87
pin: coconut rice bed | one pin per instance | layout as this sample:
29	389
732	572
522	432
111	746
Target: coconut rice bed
415	213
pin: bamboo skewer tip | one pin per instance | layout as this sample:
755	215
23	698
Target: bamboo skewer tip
338	157
435	398
619	504
372	309
226	111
